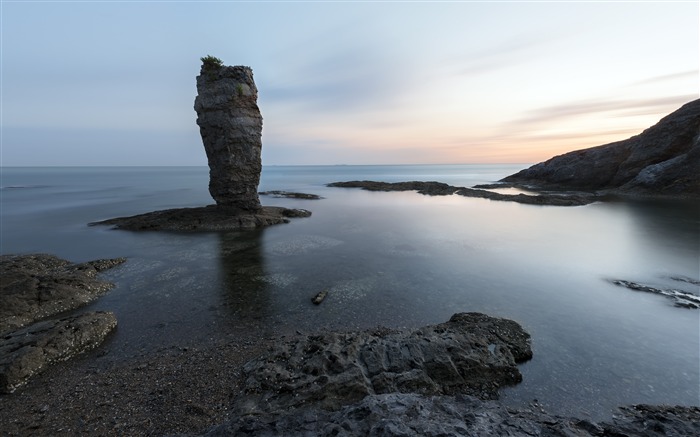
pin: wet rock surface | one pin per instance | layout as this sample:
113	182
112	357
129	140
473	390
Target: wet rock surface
402	414
290	195
680	298
37	286
471	353
432	188
212	218
439	380
29	350
661	161
230	124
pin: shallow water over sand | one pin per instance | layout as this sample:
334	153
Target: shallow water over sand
392	259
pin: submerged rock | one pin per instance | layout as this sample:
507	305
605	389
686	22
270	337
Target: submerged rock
291	195
37	286
661	161
681	298
471	353
230	124
441	189
30	350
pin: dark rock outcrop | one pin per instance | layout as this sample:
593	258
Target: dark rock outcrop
291	195
440	380
680	298
441	189
664	160
230	124
401	414
30	350
471	353
231	127
37	286
212	218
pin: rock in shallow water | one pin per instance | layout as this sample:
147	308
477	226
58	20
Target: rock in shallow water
30	350
210	218
471	353
230	124
36	286
435	381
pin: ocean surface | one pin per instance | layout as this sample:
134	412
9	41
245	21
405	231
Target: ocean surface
391	259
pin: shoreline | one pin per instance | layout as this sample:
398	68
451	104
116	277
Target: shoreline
167	391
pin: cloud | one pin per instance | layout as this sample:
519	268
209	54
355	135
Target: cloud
503	55
554	114
690	74
341	81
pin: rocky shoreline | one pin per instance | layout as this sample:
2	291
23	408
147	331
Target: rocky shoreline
39	286
436	380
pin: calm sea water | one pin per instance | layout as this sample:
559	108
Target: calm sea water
392	259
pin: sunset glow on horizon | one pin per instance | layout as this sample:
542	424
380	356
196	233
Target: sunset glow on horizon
106	83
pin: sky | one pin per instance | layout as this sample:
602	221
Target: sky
114	82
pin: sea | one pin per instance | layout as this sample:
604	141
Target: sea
392	259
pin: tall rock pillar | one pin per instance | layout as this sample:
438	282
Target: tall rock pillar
231	127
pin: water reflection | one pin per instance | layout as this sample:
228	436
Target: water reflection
669	224
244	291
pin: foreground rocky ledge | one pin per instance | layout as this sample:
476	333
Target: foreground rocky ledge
438	380
28	351
401	414
37	286
471	353
432	188
209	218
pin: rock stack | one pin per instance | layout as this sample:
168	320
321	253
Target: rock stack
231	127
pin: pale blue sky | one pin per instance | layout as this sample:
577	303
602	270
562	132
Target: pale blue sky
113	83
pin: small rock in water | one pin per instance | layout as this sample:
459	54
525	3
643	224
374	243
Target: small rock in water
319	297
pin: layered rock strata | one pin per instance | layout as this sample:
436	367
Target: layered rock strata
37	286
230	124
30	350
664	160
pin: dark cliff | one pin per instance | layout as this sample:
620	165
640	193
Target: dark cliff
664	160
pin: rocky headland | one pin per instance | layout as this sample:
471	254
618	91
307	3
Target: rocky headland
230	124
34	288
664	160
